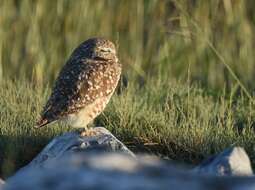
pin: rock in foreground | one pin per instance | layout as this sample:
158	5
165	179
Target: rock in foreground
1	184
122	172
103	162
70	143
231	162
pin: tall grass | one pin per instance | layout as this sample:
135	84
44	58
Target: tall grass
155	38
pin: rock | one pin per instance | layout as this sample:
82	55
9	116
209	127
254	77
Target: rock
103	162
233	161
72	142
122	172
1	183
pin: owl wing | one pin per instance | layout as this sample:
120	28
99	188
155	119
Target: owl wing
79	85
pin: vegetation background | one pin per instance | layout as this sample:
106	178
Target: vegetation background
189	65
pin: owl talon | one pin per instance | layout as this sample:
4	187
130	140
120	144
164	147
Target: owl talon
88	133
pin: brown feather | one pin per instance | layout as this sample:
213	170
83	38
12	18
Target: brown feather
82	80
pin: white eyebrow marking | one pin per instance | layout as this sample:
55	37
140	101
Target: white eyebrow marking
108	49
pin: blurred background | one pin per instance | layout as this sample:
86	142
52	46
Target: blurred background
209	42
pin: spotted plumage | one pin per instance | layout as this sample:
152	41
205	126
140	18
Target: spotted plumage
85	84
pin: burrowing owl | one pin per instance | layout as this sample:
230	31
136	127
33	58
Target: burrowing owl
84	86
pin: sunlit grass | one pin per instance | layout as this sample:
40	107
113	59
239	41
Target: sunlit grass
169	119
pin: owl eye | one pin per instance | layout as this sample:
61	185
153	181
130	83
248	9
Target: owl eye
106	50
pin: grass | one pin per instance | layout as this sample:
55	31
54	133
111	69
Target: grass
169	119
190	67
154	38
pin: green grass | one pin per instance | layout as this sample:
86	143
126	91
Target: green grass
206	46
154	37
169	119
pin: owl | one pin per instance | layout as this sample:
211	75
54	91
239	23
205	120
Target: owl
84	85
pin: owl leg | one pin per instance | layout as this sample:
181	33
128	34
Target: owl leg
88	131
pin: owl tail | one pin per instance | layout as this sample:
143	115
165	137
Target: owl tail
41	122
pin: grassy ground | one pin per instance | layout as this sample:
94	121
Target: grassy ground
175	120
207	46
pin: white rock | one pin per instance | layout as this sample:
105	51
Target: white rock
72	142
117	171
231	162
103	162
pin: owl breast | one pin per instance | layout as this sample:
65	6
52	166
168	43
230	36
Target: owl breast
86	115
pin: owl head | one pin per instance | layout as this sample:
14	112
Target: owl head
99	48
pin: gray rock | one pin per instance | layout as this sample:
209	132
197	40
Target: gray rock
233	161
103	162
1	183
122	172
72	142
